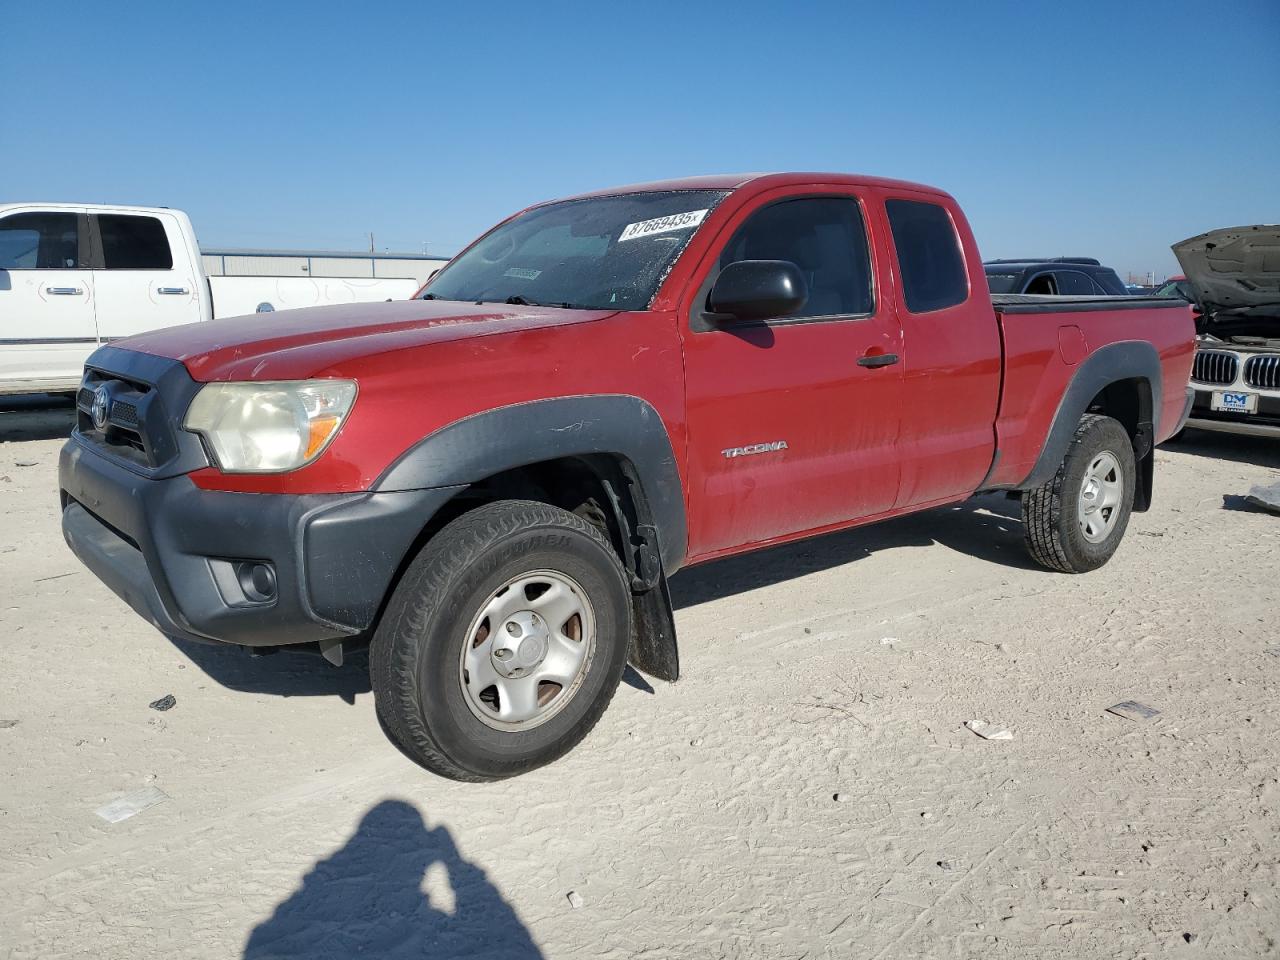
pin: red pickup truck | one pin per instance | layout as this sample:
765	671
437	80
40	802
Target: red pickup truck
492	483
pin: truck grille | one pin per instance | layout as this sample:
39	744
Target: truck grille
122	432
1215	366
1263	372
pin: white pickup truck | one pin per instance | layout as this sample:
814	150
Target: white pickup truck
74	276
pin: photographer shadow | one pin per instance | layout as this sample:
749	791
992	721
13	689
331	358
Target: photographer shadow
367	900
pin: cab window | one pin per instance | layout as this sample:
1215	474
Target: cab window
929	258
133	243
39	241
826	238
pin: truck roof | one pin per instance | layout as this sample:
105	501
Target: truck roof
129	208
732	181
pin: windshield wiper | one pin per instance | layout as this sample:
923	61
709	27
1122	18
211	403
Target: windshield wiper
516	300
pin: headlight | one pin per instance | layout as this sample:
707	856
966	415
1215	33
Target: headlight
269	427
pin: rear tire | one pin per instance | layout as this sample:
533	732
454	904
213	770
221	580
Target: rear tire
1074	522
503	643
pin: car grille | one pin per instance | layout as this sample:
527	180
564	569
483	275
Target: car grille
1263	372
1215	366
122	432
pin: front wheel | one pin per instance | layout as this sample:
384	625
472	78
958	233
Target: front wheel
1075	521
503	642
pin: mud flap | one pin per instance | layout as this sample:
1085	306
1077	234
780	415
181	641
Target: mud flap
653	640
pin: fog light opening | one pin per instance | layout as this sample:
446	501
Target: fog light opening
257	581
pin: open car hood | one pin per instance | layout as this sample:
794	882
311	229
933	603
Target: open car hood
1235	275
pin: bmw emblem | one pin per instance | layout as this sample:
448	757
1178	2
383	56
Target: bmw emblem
101	408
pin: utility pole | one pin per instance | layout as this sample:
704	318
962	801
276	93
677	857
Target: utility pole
371	241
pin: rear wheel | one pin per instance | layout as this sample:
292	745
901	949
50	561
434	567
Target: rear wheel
1076	520
503	643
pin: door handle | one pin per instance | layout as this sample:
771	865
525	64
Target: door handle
64	291
173	291
878	360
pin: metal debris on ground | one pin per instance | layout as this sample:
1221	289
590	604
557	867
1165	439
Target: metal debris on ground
6	724
26	463
131	804
1133	710
575	899
164	703
988	731
1265	497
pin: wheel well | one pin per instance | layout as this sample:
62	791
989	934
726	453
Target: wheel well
1129	402
605	490
579	485
601	488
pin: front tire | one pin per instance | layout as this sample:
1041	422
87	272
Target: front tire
1074	522
503	643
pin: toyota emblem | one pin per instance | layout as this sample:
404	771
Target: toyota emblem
101	408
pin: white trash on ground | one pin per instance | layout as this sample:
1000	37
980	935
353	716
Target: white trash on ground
131	804
1133	710
988	731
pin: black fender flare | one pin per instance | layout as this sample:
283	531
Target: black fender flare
1116	362
484	444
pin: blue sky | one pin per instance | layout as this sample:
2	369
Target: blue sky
1097	129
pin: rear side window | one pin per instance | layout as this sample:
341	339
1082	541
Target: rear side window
825	238
1072	283
1109	282
929	257
39	241
1042	285
133	243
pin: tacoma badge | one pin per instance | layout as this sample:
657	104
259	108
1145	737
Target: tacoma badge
754	448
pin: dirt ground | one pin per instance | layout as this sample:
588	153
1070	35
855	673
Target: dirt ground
700	819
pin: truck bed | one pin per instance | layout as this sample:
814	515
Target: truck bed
1045	339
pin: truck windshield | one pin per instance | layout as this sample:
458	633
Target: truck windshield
1003	282
598	253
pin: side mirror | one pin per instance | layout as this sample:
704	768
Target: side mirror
758	290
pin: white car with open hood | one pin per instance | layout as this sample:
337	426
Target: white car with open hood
75	276
1234	276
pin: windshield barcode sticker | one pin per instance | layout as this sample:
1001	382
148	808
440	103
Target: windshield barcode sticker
676	221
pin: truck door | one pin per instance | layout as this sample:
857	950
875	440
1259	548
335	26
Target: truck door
951	369
143	274
47	324
792	422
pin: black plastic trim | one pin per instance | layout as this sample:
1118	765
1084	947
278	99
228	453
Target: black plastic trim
494	441
33	341
1126	360
157	543
1035	303
170	449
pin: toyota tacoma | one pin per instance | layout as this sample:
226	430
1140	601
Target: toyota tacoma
491	484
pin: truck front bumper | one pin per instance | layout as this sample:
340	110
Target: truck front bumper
242	568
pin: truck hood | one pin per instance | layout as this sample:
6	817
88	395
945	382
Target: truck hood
294	344
1234	274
